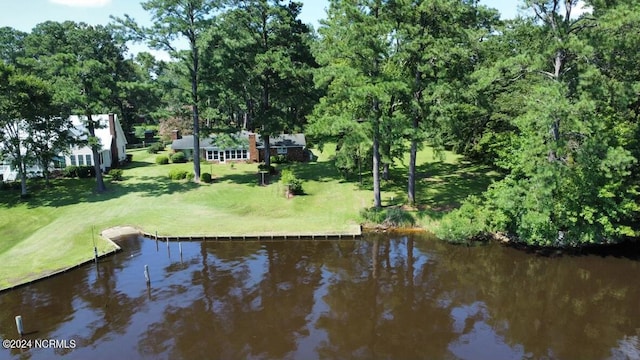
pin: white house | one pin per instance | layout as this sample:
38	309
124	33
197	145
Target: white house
112	141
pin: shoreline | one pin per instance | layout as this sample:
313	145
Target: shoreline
53	273
113	234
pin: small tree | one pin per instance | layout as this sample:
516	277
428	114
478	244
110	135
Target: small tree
291	182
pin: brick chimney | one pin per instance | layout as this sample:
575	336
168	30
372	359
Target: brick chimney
253	149
114	144
175	135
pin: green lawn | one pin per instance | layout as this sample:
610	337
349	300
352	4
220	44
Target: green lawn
53	229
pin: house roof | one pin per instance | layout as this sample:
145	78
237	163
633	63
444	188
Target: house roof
241	138
102	130
283	140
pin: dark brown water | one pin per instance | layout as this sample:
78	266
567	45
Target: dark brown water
394	298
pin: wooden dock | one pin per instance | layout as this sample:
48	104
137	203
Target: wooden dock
353	234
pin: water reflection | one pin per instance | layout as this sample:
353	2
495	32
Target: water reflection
377	298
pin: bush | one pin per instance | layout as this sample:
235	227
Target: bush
391	217
177	174
70	171
289	179
373	215
206	177
467	223
397	217
162	160
85	172
10	185
279	159
156	147
270	168
190	176
116	174
178	157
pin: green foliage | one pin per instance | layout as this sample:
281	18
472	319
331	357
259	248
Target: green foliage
85	172
178	174
206	177
467	223
397	217
162	160
373	215
390	217
190	176
269	168
82	172
279	159
70	171
10	185
293	184
156	147
178	157
116	174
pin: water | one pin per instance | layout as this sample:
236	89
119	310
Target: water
395	298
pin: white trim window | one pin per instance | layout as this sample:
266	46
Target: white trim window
282	151
80	160
72	160
88	158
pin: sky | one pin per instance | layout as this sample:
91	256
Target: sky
25	14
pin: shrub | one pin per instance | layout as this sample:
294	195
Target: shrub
279	159
373	215
190	176
391	217
467	223
85	172
10	185
206	177
156	147
178	174
70	171
162	160
270	168
178	157
397	217
289	179
116	174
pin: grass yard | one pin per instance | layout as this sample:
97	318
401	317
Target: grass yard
55	228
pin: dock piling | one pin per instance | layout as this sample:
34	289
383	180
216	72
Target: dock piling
146	274
19	325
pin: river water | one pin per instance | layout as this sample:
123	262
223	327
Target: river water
383	297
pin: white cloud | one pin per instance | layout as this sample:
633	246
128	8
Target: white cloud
82	3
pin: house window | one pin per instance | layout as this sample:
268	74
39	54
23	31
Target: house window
88	157
215	155
209	155
80	160
244	154
227	154
73	160
282	151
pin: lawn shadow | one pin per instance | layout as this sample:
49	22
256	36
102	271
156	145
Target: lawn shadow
324	171
154	186
135	164
241	177
63	192
440	187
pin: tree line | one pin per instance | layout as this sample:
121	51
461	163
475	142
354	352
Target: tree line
550	99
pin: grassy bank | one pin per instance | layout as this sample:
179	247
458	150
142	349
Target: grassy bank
55	228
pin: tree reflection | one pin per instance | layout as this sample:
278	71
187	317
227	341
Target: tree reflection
410	297
263	319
